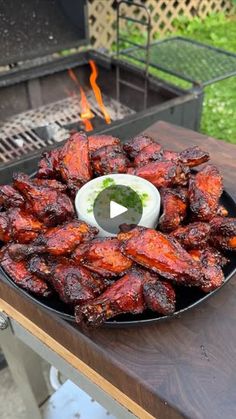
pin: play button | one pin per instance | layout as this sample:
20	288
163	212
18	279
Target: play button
116	209
117	205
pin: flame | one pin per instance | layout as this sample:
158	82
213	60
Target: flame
86	113
97	91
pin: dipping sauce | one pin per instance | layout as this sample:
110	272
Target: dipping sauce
146	191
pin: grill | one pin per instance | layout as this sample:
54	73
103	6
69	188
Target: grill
40	104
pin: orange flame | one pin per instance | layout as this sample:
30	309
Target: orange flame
86	113
97	91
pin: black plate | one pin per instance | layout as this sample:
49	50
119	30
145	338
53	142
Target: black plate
186	297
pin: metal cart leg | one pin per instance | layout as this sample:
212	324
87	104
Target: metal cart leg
26	368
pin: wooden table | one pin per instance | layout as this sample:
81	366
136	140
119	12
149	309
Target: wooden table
184	367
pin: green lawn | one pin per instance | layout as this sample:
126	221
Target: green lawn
218	119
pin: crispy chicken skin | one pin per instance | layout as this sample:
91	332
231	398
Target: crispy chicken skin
97	141
162	174
193	236
5	228
193	156
48	166
149	153
205	189
40	266
24	226
75	284
74	162
103	256
136	144
161	254
223	233
124	296
50	183
10	197
159	295
21	276
211	262
174	206
49	205
57	241
109	159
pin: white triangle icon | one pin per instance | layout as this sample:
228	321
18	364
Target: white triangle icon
116	209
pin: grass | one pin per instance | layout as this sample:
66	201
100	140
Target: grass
218	119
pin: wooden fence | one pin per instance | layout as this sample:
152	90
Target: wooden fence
102	15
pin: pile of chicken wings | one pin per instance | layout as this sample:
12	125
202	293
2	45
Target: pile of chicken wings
46	250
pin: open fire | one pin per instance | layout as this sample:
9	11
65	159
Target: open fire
86	114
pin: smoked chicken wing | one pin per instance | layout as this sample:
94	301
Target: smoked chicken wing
10	197
103	256
75	284
50	183
97	141
211	262
49	205
48	166
136	144
74	161
192	236
40	266
109	159
193	156
149	153
21	276
24	226
162	254
56	241
5	228
159	295
174	206
223	233
205	189
162	173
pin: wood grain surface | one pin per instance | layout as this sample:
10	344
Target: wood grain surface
183	367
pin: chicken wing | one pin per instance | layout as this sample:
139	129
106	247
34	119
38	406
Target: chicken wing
97	141
174	206
211	261
40	266
5	228
103	256
136	144
48	166
159	296
50	183
10	197
109	159
149	153
24	226
223	233
21	276
124	296
74	161
162	173
205	189
74	283
49	205
192	236
161	254
56	241
193	156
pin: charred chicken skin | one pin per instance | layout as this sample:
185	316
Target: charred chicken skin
211	262
109	159
149	153
50	183
161	254
49	205
223	233
97	141
24	226
74	161
48	166
103	256
10	197
162	174
21	276
5	228
159	295
136	144
174	206
57	241
205	189
193	236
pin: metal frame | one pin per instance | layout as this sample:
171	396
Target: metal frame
24	353
128	53
119	38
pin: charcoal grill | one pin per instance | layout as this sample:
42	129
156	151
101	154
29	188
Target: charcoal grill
36	106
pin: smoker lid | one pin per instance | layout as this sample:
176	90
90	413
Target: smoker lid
36	28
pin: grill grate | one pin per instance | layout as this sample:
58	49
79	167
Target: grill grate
190	60
34	129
